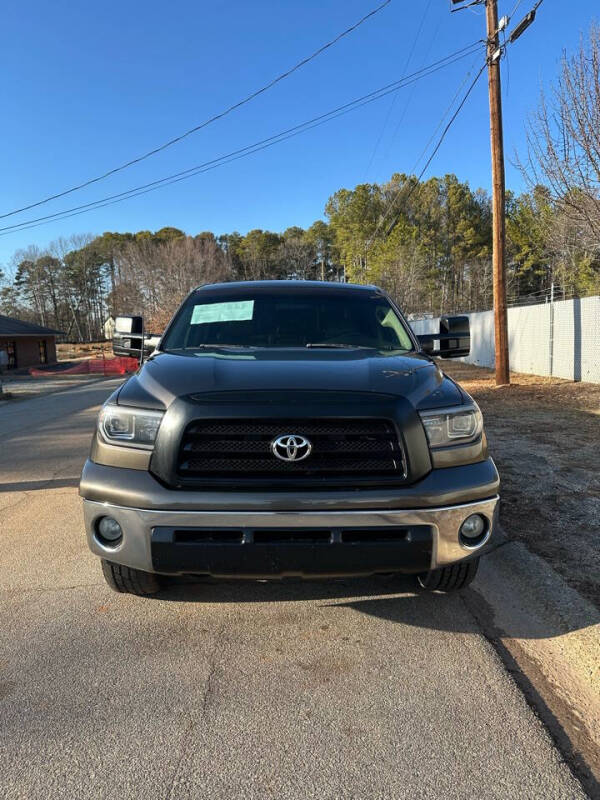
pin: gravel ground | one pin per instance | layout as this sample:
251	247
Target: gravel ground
544	435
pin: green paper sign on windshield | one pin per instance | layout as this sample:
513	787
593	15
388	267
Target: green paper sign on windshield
222	312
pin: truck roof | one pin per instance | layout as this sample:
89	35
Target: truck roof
239	287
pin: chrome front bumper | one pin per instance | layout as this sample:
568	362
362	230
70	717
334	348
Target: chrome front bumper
135	549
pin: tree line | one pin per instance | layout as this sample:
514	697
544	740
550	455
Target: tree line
427	242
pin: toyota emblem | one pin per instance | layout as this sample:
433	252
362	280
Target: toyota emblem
291	447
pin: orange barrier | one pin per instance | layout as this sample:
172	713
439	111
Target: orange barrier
93	366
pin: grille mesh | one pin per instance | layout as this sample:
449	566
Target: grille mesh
241	448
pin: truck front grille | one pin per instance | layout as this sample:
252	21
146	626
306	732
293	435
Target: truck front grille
241	448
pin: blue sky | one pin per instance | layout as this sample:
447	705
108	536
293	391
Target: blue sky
88	86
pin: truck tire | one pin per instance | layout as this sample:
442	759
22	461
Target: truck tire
126	579
449	579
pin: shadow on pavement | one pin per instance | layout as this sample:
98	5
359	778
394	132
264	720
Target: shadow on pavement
394	598
209	590
32	486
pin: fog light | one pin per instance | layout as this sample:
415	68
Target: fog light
473	531
109	530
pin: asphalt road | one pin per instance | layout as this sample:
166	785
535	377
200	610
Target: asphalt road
354	689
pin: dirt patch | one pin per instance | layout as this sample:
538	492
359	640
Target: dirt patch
68	351
544	436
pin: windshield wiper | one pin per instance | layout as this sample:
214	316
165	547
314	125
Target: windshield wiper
338	344
213	346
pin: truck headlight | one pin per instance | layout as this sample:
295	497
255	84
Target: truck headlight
450	426
136	427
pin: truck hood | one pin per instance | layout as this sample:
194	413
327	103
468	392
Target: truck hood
167	376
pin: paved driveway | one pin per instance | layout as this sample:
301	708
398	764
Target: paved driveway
351	689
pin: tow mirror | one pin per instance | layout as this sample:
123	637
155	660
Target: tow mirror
453	340
128	336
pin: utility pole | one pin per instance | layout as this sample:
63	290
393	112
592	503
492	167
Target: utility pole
498	194
494	54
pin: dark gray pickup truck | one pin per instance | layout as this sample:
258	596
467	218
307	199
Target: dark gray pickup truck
290	428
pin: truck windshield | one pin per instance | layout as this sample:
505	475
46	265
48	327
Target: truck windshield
282	319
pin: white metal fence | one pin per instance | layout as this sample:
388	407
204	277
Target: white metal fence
560	339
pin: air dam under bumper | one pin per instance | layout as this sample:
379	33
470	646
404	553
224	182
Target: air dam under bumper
279	543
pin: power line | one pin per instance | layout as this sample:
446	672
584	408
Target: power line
428	162
444	115
433	154
467	6
207	122
411	95
515	7
393	101
263	144
450	123
250	149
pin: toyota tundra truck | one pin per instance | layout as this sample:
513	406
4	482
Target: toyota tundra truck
290	428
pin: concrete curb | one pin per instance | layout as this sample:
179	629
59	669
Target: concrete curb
549	638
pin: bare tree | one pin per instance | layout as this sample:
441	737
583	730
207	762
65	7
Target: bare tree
155	277
564	139
299	257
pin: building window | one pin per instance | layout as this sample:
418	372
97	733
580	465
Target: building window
43	351
11	349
